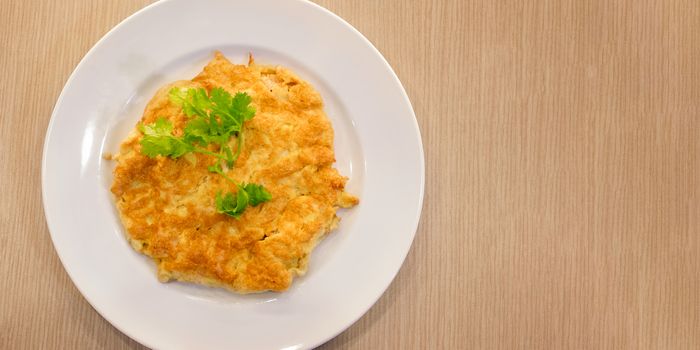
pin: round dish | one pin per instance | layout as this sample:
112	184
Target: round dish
377	145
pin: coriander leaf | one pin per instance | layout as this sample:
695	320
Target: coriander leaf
177	96
221	107
241	199
159	140
257	194
159	127
220	97
217	129
233	111
240	105
168	146
192	101
197	130
232	205
199	100
220	100
223	114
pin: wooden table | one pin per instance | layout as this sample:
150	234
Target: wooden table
562	206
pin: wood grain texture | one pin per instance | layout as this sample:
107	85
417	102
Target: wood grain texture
562	142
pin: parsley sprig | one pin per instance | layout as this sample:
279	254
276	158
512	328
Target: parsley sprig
214	119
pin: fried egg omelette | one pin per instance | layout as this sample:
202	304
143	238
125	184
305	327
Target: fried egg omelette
167	205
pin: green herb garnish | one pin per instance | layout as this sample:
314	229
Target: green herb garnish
215	118
248	194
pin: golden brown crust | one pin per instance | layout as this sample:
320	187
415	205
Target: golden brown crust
167	205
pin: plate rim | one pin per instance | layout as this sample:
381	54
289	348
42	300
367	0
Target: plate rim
86	57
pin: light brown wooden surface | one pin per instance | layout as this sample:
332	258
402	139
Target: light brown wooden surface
562	206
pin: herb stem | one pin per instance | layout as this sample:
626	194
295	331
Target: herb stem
239	146
229	179
217	169
208	152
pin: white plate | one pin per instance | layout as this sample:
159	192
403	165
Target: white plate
378	146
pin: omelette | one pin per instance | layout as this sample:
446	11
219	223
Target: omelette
167	205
